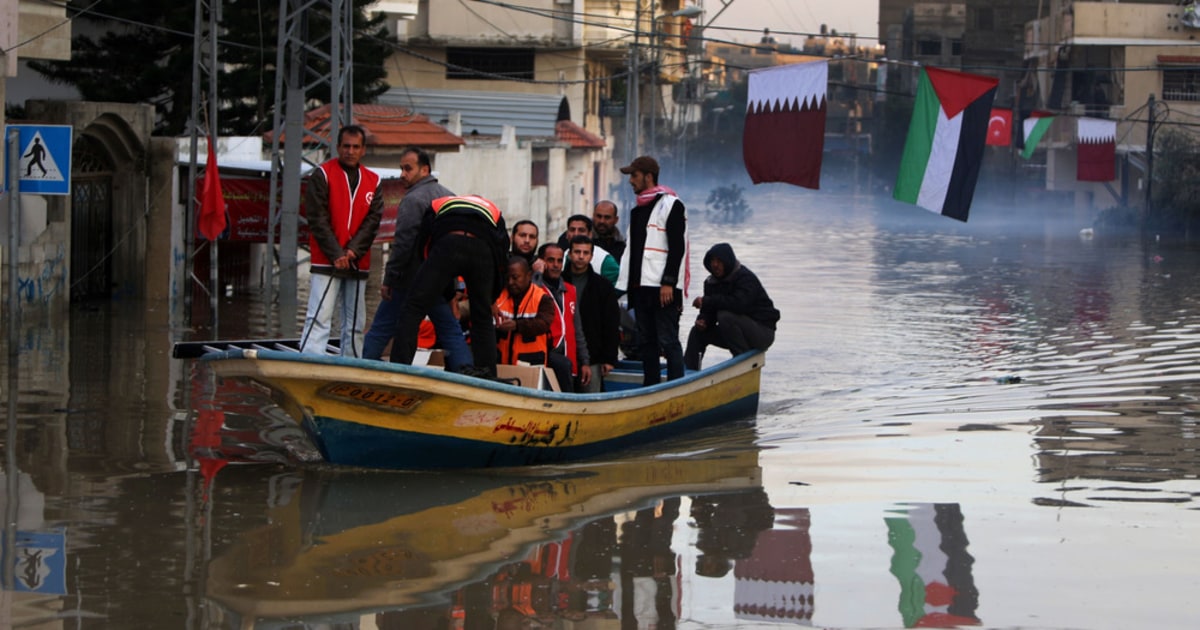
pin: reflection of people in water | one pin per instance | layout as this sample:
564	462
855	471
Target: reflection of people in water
729	526
647	564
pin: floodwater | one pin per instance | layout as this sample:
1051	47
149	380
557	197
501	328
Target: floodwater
991	424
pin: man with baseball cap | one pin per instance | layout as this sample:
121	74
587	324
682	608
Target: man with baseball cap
653	269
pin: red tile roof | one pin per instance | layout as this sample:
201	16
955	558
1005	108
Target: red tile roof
577	136
387	126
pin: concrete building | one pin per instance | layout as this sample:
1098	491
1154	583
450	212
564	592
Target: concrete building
1106	60
35	30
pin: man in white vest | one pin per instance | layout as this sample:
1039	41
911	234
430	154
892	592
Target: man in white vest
654	269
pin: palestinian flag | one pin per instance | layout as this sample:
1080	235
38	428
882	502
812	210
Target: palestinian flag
784	133
931	563
946	137
1097	150
1035	127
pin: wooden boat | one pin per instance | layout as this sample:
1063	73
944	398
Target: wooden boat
383	415
333	551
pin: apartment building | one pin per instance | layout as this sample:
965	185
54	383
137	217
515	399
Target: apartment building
1106	60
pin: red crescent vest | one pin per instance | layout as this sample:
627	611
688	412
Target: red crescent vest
347	208
562	331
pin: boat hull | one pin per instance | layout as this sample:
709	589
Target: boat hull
381	415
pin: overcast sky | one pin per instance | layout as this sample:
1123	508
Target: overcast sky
798	16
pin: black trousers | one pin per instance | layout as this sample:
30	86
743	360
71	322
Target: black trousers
451	256
737	333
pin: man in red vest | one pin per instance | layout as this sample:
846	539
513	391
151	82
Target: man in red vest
568	350
343	207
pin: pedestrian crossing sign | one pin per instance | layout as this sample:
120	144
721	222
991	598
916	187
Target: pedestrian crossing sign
43	159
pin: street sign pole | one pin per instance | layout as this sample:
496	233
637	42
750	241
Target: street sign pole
14	238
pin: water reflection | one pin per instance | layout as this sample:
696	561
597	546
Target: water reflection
924	376
567	543
931	563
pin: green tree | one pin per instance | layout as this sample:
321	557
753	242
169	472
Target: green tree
143	54
1176	193
727	205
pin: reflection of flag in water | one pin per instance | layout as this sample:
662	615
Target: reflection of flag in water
999	132
944	149
930	560
776	582
784	132
1097	150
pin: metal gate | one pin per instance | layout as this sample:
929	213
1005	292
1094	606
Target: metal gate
91	221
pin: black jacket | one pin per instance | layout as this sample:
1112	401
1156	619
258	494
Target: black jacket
738	291
599	315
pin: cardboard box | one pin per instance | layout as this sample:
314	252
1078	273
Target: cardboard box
531	376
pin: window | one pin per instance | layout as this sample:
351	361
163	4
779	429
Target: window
539	173
489	63
929	47
956	47
1181	84
985	19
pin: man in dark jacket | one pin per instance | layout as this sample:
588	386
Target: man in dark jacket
467	238
402	263
735	312
598	314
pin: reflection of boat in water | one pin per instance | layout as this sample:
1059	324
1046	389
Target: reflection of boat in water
371	542
385	415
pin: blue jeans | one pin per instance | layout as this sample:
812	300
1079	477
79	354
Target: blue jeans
658	333
450	256
449	333
345	295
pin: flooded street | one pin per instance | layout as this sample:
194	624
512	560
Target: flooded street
991	424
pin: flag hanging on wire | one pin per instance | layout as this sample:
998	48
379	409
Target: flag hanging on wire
1035	127
1097	150
212	200
999	133
944	148
784	133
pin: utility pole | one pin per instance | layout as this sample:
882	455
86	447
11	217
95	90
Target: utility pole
295	49
632	97
1149	159
207	18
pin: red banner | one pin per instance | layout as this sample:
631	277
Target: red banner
248	202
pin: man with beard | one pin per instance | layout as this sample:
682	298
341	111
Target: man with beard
402	264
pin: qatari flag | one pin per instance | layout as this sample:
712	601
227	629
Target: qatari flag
776	582
1097	150
785	124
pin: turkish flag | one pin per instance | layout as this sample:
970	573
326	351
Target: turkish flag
212	200
999	132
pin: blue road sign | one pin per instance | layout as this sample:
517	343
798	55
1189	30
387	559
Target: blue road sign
44	165
39	562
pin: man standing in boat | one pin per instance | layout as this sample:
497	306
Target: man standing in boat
403	261
598	313
655	256
343	207
466	237
568	347
735	311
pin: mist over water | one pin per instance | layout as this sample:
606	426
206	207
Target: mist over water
990	423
